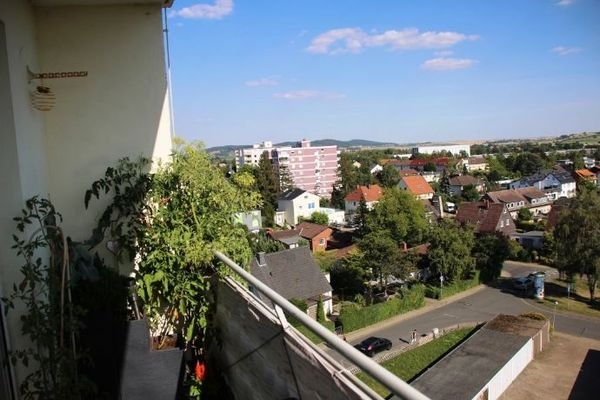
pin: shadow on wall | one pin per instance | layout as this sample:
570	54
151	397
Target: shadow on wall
587	380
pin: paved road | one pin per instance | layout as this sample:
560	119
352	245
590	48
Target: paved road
483	306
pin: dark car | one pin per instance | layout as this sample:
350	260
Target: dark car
373	345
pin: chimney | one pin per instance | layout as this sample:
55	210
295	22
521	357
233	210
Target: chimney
260	258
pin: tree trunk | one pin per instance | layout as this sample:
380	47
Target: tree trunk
592	283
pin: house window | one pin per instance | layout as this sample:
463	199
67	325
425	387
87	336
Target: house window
353	203
507	222
501	224
322	242
311	205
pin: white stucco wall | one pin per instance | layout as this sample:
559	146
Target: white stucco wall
22	152
120	109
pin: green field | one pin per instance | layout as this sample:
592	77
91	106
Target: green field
411	363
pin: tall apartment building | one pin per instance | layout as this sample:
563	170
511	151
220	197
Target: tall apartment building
313	168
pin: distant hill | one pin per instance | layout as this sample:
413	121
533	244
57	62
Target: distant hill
227	150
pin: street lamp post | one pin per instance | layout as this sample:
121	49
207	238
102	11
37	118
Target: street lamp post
554	315
441	286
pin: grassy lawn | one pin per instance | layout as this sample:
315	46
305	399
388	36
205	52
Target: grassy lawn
578	301
310	335
409	364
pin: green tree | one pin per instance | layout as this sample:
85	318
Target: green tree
401	215
577	235
319	218
267	185
389	176
450	248
380	254
490	251
525	215
285	179
348	276
260	242
470	193
360	218
320	310
429	167
325	259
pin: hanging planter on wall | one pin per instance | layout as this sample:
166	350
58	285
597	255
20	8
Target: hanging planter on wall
43	99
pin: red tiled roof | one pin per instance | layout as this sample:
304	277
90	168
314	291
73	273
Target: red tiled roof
417	185
345	251
368	193
484	215
584	173
308	230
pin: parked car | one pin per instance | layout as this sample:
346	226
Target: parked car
373	345
523	283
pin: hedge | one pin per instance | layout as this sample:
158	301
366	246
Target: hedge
353	317
434	292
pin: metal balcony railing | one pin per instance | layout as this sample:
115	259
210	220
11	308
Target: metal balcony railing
396	385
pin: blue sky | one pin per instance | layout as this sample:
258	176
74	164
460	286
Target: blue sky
244	71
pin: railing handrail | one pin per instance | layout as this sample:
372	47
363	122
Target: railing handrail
396	385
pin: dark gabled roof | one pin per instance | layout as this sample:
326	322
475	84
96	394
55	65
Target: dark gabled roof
308	230
464	180
292	273
484	215
288	237
559	173
291	194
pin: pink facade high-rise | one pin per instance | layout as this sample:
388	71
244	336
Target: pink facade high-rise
312	168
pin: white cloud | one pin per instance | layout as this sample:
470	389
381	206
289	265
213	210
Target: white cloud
565	3
563	51
262	82
354	40
218	10
308	94
447	64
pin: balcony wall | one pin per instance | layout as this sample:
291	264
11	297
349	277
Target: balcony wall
261	360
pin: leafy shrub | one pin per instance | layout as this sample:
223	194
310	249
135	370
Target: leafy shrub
434	292
353	317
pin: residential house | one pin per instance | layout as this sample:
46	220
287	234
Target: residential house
293	204
290	238
589	162
434	208
370	194
556	182
440	163
530	240
455	149
317	235
418	186
334	216
457	184
585	175
294	274
515	199
104	63
596	171
476	163
376	169
251	219
486	217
